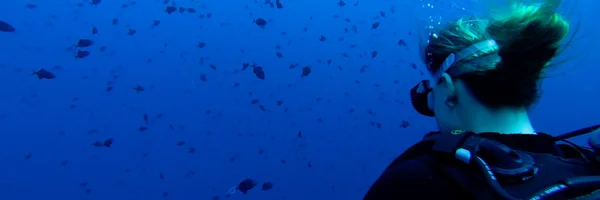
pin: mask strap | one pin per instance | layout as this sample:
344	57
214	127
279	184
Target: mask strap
455	58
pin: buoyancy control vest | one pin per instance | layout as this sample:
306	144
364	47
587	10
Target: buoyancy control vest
488	169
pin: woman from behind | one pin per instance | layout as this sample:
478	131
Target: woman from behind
485	76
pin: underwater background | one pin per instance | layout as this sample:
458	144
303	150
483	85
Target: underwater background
186	99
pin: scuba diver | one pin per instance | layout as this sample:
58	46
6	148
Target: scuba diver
485	76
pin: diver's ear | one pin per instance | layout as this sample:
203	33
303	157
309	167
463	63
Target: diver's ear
447	80
451	98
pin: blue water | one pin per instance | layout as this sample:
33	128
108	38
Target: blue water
210	124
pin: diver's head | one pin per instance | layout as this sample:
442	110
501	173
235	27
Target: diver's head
487	70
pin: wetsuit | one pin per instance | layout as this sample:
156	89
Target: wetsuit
416	179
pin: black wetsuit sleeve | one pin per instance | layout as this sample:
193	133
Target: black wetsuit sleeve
412	179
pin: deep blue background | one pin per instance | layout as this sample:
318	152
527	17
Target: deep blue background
347	153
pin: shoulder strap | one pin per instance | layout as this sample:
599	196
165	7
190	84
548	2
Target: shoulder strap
454	172
431	145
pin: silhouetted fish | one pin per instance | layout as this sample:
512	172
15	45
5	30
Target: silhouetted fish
85	43
246	185
44	74
267	186
260	22
6	27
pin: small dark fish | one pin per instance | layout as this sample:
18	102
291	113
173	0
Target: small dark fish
131	32
375	25
267	186
182	9
115	21
259	72
96	2
138	88
28	156
306	71
191	10
82	54
322	38
44	74
94	30
30	6
97	144
156	23
6	27
246	185
146	117
401	43
85	43
170	9
404	124
245	66
142	128
260	22
108	142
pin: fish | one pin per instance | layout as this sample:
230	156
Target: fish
6	27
